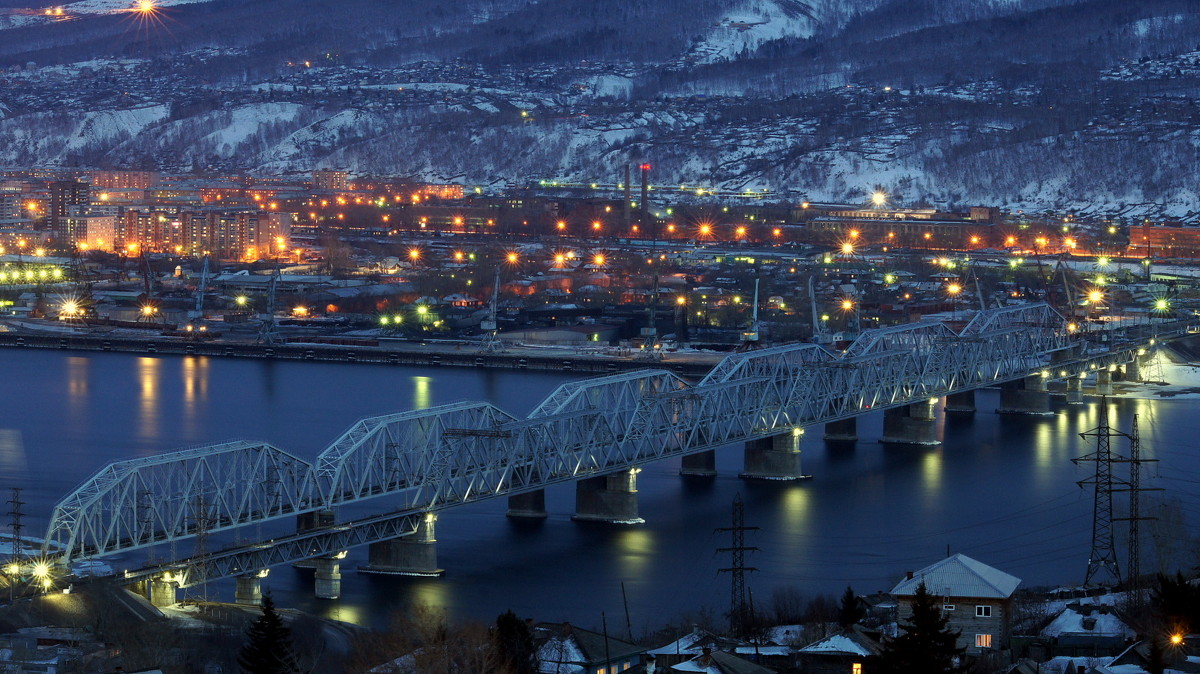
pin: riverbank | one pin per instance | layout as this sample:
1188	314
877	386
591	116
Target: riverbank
547	359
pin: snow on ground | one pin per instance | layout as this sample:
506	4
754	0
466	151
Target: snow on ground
1171	380
751	24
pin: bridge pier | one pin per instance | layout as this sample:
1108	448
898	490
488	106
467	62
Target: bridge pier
844	430
608	498
328	576
1074	390
700	464
1133	370
962	402
413	555
249	589
774	458
914	424
1026	396
1104	385
162	592
531	505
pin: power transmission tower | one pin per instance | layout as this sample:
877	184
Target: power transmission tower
1135	489
1102	560
491	338
15	514
738	613
198	572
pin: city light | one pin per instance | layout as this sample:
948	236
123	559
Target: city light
512	257
414	254
681	300
241	300
1162	304
847	305
1176	639
847	248
1095	296
598	260
879	199
705	230
741	231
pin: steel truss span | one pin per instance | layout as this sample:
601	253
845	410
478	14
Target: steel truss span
453	454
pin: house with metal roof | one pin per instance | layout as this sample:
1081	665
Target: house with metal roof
975	598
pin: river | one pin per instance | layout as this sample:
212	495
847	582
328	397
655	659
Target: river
1001	489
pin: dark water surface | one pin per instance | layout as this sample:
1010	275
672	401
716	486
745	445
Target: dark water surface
1001	489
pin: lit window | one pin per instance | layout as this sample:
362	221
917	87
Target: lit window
983	611
856	668
947	607
983	641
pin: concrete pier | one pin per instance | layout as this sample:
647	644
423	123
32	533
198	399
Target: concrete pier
162	592
700	464
328	577
1133	370
412	555
1026	396
608	498
249	589
961	403
845	430
1074	390
914	424
1104	382
774	458
530	506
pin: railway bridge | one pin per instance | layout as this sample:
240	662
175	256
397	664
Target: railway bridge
594	432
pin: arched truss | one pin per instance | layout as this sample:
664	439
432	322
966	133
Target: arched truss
142	502
452	454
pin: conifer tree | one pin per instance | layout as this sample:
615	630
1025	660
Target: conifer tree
513	646
851	611
269	648
927	644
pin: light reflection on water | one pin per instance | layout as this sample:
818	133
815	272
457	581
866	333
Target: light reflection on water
869	512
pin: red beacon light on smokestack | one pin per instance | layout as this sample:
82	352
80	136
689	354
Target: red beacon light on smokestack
645	167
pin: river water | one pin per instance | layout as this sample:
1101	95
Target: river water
1000	489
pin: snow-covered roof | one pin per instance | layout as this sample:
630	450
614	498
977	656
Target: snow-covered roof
960	576
838	643
1070	622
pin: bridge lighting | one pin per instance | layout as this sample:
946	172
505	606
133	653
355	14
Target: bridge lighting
1102	261
12	569
41	570
383	320
797	432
